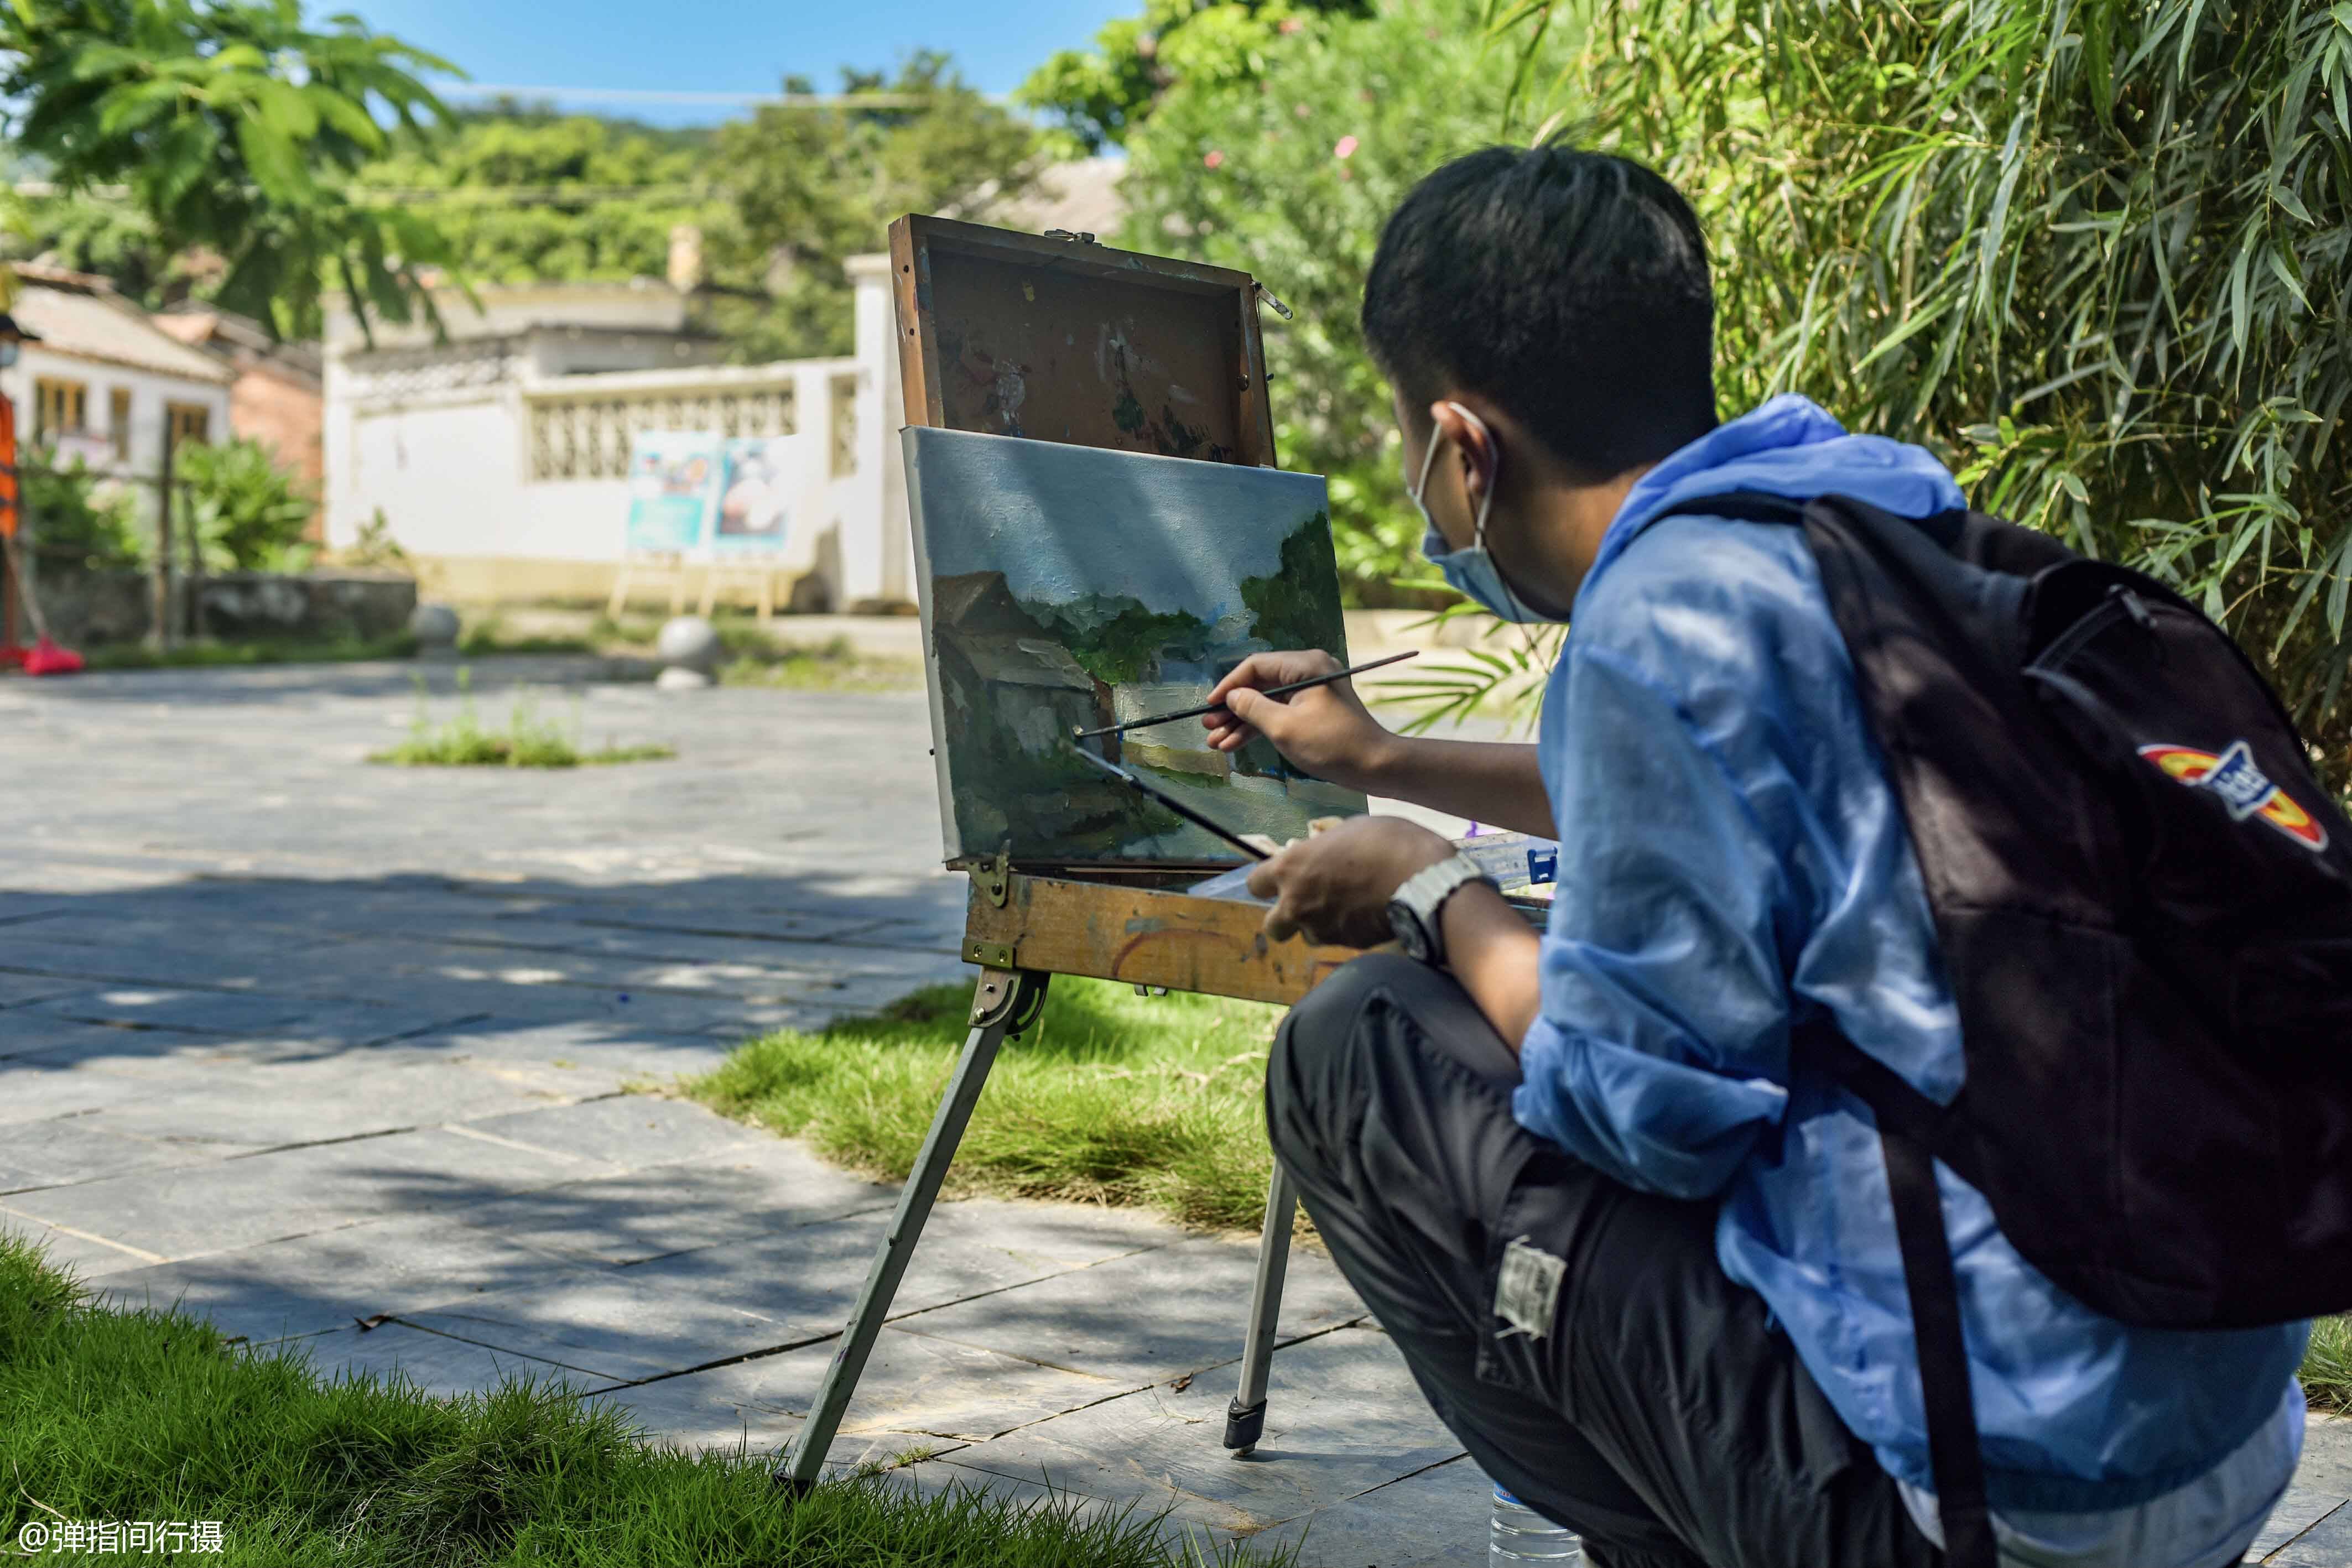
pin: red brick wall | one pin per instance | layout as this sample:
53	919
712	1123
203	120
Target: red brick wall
288	418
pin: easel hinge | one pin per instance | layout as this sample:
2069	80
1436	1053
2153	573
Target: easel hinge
995	876
988	954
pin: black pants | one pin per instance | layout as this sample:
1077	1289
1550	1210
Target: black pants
1658	1412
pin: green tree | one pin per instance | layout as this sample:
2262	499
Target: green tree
111	238
812	187
526	194
236	129
1289	176
1102	95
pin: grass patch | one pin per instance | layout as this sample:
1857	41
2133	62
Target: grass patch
1111	1098
493	636
527	741
2328	1366
132	1416
209	654
755	658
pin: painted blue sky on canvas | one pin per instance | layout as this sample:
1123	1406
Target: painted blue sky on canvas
1062	522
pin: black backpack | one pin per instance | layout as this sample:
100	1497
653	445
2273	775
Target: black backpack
2143	897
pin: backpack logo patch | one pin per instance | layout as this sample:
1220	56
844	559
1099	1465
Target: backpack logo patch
2241	786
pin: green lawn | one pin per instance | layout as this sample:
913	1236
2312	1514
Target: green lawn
1110	1098
144	1415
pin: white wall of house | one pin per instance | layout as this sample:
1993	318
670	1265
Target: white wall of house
500	446
104	447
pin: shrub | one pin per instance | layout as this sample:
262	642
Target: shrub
248	513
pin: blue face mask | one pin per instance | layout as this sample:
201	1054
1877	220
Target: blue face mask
1471	571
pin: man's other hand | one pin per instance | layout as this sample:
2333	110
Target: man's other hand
1336	886
1323	730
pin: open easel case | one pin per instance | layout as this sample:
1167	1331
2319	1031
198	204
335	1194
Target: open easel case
999	333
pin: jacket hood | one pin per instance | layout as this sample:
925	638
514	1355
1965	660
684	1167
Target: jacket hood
1785	447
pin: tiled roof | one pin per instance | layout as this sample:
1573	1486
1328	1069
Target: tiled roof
72	314
1081	196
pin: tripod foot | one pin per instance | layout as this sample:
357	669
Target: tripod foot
1244	1424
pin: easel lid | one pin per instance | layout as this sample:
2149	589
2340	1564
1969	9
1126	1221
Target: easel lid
1059	338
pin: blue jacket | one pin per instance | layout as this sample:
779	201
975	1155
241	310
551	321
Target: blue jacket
1732	858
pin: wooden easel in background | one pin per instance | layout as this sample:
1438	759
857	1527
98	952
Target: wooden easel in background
759	571
650	570
1045	310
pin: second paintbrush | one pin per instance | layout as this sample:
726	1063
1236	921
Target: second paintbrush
1076	734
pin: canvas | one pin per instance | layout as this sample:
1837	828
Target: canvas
1068	587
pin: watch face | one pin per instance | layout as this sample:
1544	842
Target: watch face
1409	934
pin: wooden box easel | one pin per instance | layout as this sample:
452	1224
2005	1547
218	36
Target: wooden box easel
1008	333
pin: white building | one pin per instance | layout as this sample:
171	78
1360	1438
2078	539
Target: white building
103	382
499	459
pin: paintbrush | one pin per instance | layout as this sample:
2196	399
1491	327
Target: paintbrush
1173	804
1077	734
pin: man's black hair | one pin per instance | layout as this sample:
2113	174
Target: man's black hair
1570	287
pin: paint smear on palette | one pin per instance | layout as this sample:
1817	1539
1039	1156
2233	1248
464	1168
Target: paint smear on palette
1068	587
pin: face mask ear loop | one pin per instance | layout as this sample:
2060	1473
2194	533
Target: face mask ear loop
1478	533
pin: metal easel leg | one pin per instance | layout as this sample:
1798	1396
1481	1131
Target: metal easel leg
1006	1002
1245	1416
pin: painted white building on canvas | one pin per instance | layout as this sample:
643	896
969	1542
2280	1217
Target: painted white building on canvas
499	459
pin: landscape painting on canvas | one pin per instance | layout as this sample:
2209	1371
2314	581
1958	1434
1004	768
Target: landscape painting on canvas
1069	587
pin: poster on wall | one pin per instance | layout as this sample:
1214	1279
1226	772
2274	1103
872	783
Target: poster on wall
764	475
673	490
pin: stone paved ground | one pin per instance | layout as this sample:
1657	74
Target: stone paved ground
337	1054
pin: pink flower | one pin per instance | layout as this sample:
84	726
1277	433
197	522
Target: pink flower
1290	25
1214	160
1346	149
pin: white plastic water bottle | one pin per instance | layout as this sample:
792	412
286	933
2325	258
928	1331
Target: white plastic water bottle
1518	1533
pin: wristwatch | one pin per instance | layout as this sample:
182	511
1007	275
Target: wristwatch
1413	910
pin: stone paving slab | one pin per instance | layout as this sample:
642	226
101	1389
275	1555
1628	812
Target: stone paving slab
16	991
60	1151
911	1384
634	1216
693	1309
438	1365
2326	1544
1150	1317
2302	1507
203	1012
607	1052
1342	1418
1437	1516
243	1108
43	1091
228	1204
309	1284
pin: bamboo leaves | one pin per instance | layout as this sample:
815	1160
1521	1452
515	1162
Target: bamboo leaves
2098	256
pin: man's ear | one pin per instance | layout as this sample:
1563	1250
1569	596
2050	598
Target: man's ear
1473	440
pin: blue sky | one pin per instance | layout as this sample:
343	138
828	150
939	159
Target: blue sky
725	46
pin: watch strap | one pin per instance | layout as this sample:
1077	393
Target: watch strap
1424	893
